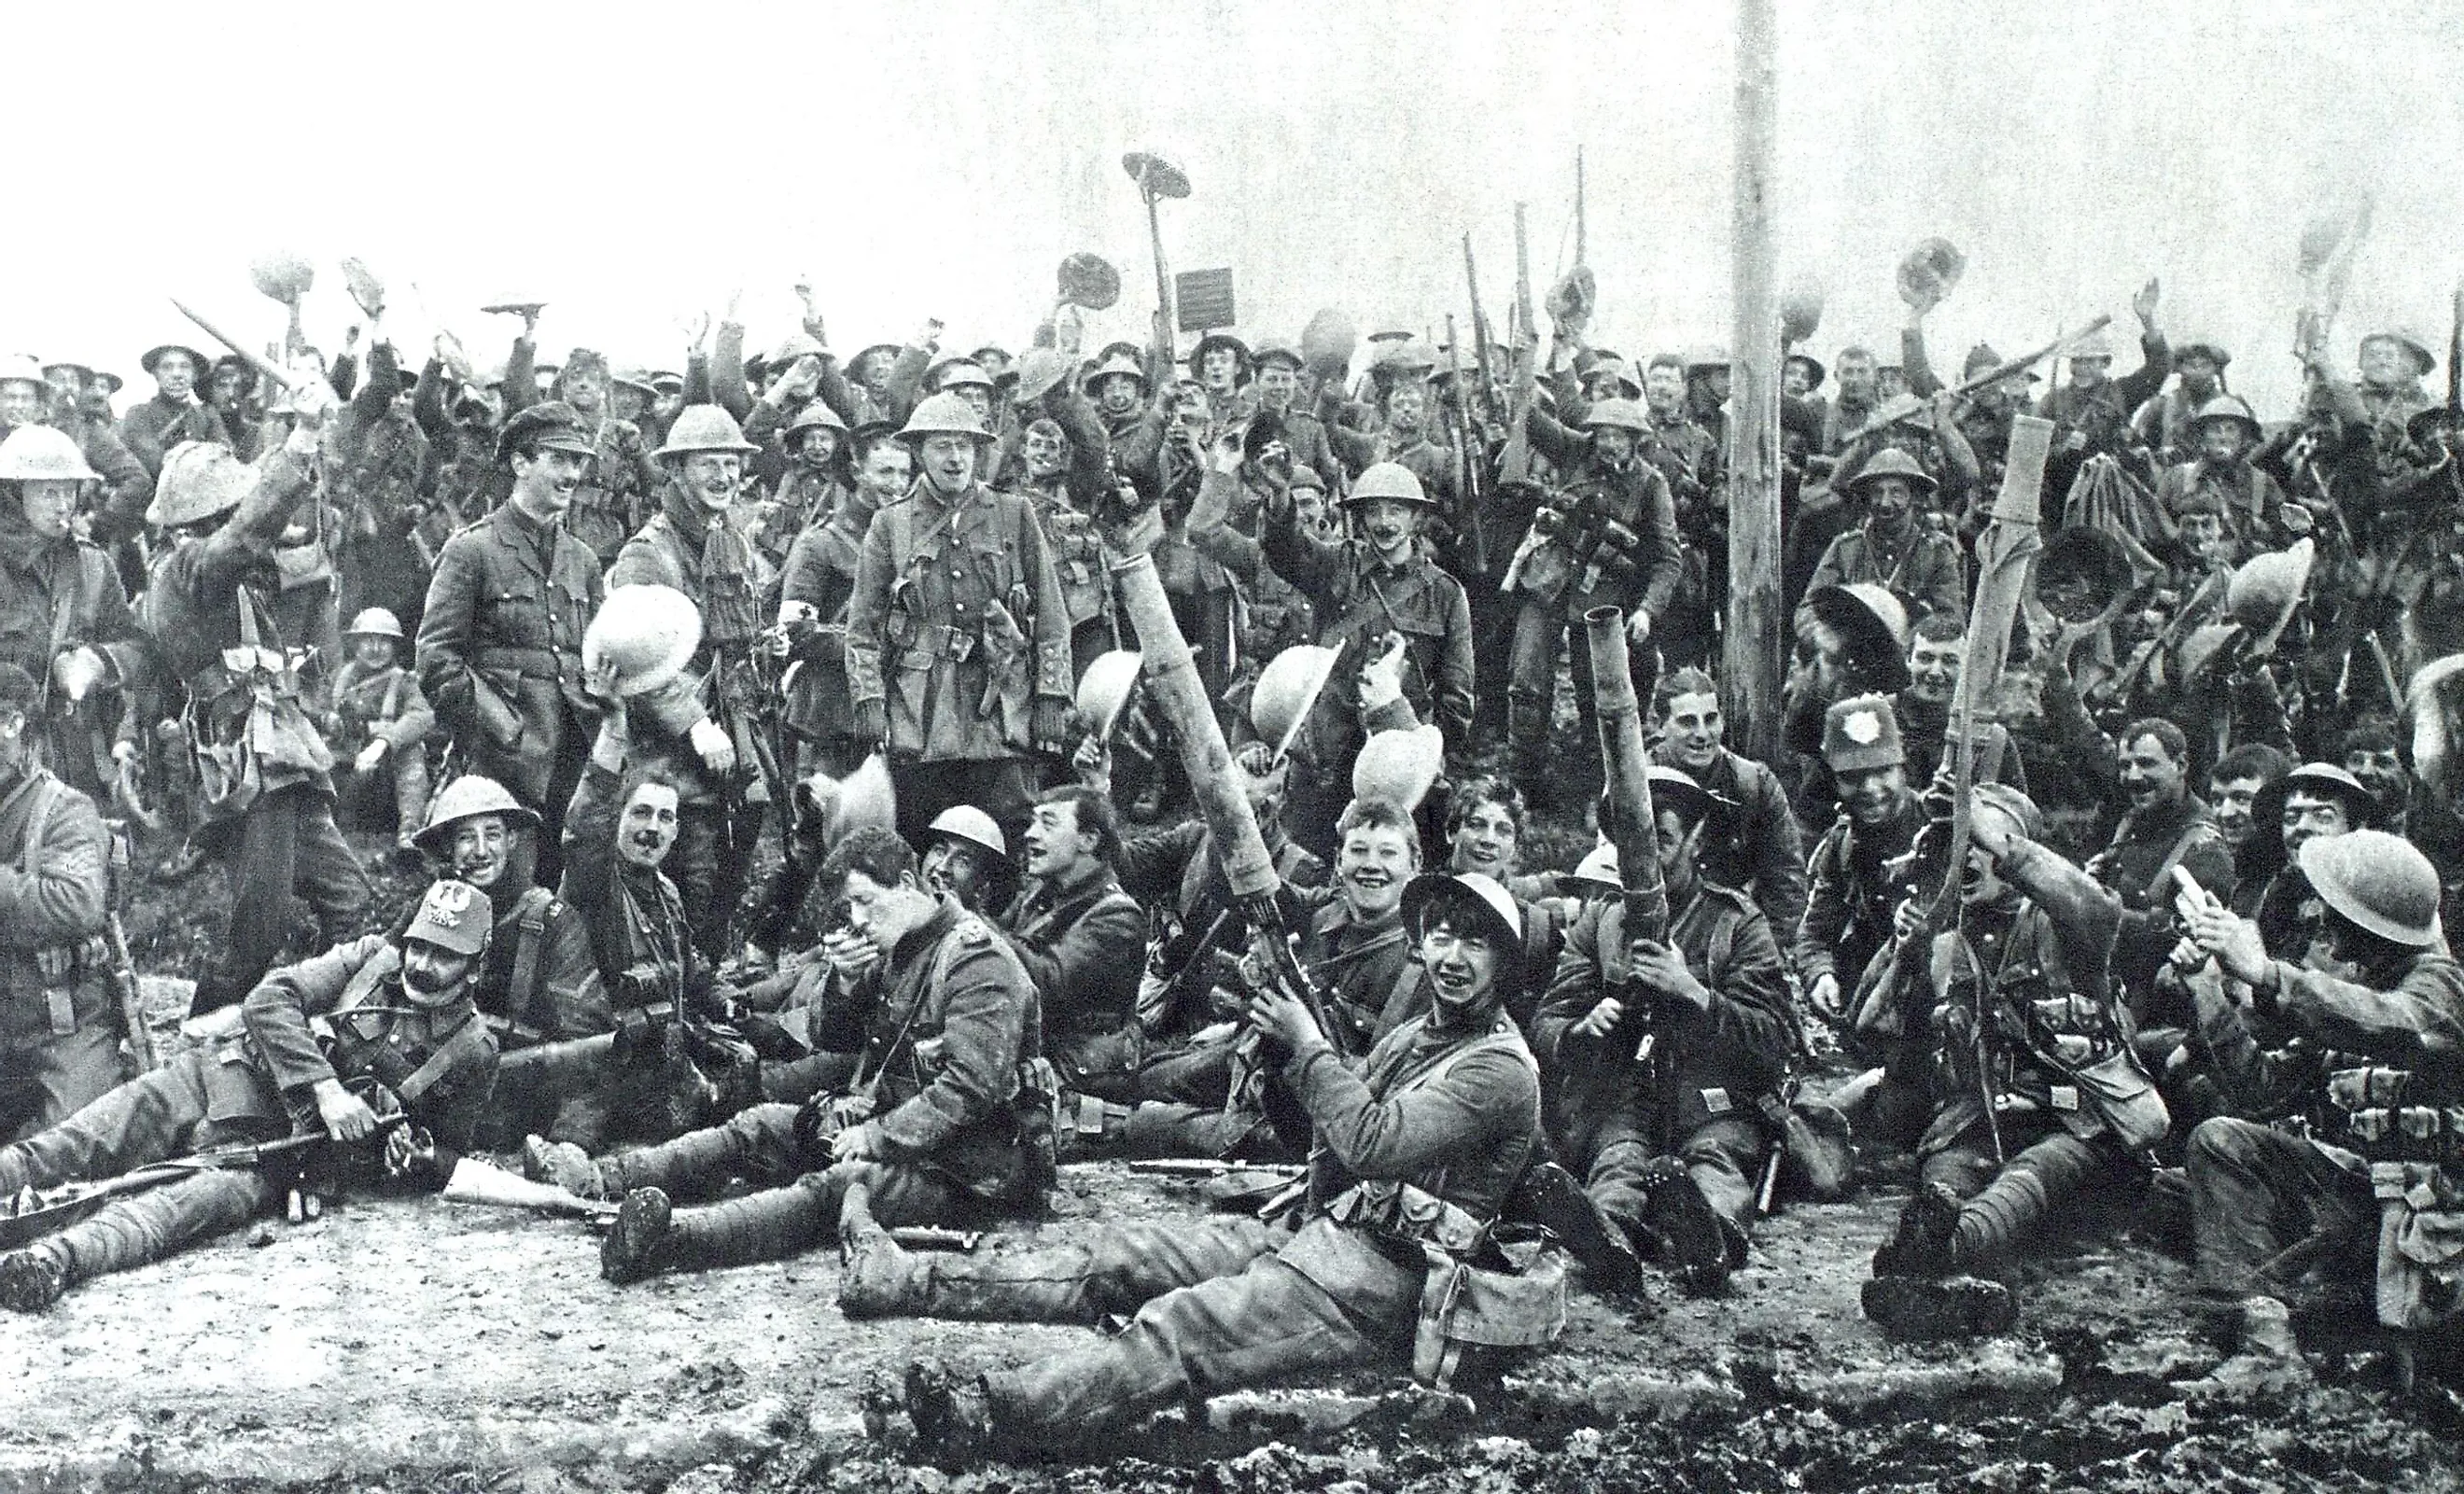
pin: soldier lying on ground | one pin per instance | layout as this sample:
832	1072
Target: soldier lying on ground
1415	1157
374	1028
938	1103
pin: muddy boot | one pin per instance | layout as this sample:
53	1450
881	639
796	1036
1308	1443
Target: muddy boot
696	1164
879	1277
1692	1242
2270	1363
1925	1241
950	1410
1919	1309
637	1246
565	1165
32	1280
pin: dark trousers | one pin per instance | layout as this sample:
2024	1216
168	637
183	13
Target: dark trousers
2255	1191
286	843
996	785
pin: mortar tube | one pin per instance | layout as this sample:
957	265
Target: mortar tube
1172	682
1624	765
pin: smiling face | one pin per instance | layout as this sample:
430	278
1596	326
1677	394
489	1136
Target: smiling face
175	376
1218	369
2203	536
2309	816
1933	669
1613	445
950	462
958	867
481	848
1694	728
889	469
648	825
2149	774
1118	394
1855	374
1664	386
2232	800
1389	525
1277	382
1871	796
586	389
2222	441
21	403
1889	499
544	484
1047	453
817	446
1487	841
1056	846
1407	405
2381	770
1460	957
711	477
432	974
1372	866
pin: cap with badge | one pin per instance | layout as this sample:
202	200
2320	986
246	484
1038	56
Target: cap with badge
552	426
1861	732
454	916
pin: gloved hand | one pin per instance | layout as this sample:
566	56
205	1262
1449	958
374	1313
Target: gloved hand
871	721
712	745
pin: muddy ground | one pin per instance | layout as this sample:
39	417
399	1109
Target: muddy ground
424	1345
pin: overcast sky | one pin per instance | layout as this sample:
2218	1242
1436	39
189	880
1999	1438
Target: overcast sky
633	164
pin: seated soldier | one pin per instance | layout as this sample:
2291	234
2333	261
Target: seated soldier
1484	823
966	855
1663	1053
371	1029
2040	1098
1416	1155
1759	849
381	721
1083	941
2376	1174
939	1103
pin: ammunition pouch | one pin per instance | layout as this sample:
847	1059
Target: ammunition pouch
2387	1116
2421	1244
1465	1307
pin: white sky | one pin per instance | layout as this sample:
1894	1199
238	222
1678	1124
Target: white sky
631	164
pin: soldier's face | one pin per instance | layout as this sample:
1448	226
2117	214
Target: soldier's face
2203	534
1055	846
648	825
1615	445
1390	524
1797	380
885	914
950	461
2198	375
547	482
2381	771
1309	503
373	653
1933	669
481	848
2149	774
21	403
431	971
994	361
628	401
1218	368
1462	963
1372	866
229	386
2307	817
1870	795
50	505
1117	394
1888	381
586	389
2232	800
1486	842
1857	379
1678	844
887	472
2220	441
712	477
2086	373
1694	728
1889	499
1983	883
1406	405
957	868
175	376
1277	382
2386	363
1664	387
819	447
872	370
1047	453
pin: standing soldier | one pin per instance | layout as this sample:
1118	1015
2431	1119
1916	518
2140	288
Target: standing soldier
27	398
1895	548
63	617
1608	537
500	636
372	1028
958	641
2091	414
59	1034
616	489
265	795
174	414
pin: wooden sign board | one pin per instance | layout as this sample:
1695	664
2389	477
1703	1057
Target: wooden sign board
1205	297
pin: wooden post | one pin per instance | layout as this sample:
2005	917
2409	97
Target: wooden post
1755	643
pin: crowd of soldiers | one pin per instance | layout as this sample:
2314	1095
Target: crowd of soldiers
854	787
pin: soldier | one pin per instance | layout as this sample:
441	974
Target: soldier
501	635
1607	538
64	618
370	1029
966	857
1937	658
2393	363
2167	826
376	464
936	1108
2040	1100
60	1031
1893	546
1133	427
1416	1155
2223	434
816	594
1852	639
265	796
695	545
1060	466
27	398
1754	846
2164	424
2376	1168
619	487
540	982
2091	414
1859	396
2233	787
963	673
1280	367
1082	942
382	721
174	414
1405	402
1668	1053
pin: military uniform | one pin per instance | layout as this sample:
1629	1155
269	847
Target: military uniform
340	1014
60	1026
264	790
957	626
376	467
1085	946
387	705
1702	1091
2102	415
1756	847
500	657
950	1029
2252	503
540	986
821	573
152	427
62	595
618	495
1920	566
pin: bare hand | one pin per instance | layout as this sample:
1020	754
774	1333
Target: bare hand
370	755
1825	995
1663	970
1638	626
2144	304
850	954
346	1117
1284	1019
856	1144
2233	941
1601	1019
1226	456
1381	677
712	743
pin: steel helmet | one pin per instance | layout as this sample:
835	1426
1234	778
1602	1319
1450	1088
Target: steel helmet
1873	623
2228	407
705	427
1103	689
1287	688
798	344
1039	370
944	414
1501	907
2411	341
465	798
2098	344
1411	356
1400	766
816	413
1125	363
646	634
971	824
2266	589
1707	355
199	480
954	373
38	453
1676	789
2205	347
1892	462
1618	414
374	622
637	380
1598	867
1389	480
2378	882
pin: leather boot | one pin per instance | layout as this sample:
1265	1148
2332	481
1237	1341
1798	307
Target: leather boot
650	1236
878	1278
1925	1243
950	1410
1692	1241
2269	1364
696	1164
32	1279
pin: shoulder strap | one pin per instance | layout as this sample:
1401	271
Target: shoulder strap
529	933
1503	1039
2172	859
468	1040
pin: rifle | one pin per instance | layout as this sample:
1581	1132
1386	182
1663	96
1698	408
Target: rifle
71	1202
1207	1167
2455	354
1514	464
1469	448
1991	376
1579	206
127	995
2119	686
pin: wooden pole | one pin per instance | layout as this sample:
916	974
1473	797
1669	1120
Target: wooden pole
1755	643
